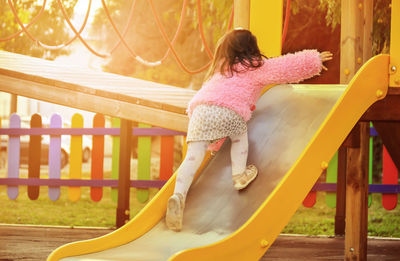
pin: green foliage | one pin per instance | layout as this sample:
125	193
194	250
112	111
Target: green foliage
144	37
381	21
332	9
50	28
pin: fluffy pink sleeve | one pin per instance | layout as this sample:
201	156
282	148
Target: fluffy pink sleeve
289	68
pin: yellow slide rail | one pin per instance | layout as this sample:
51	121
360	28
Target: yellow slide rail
252	240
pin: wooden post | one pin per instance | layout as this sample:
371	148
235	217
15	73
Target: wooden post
13	104
124	173
356	27
357	193
241	13
351	39
395	45
340	217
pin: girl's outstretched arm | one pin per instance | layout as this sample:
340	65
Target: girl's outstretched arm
291	68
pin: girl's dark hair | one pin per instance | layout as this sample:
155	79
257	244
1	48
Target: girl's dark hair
237	46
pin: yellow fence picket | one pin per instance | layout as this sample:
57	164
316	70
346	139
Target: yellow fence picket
75	158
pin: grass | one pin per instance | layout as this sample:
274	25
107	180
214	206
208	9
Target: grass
318	220
63	212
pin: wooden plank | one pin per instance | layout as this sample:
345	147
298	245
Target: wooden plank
386	109
390	175
75	158
95	103
55	156
116	123
35	152
144	163
13	156
357	195
166	157
123	212
96	193
83	80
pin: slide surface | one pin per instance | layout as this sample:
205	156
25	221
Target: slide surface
293	133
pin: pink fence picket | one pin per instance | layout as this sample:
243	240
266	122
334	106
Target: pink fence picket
55	157
14	145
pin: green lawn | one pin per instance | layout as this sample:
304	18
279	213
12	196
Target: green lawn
318	220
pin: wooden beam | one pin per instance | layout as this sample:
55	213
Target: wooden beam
95	103
384	110
357	194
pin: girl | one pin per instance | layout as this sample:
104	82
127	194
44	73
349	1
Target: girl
223	105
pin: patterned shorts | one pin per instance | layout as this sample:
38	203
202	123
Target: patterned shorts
211	123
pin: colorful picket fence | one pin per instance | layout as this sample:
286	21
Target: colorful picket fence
389	187
75	181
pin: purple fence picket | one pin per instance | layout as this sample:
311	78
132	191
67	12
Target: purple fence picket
55	157
14	145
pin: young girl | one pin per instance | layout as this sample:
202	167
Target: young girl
224	104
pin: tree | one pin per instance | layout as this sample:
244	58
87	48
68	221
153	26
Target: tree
322	31
50	27
145	38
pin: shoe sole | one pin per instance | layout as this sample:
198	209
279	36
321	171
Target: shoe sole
240	187
173	218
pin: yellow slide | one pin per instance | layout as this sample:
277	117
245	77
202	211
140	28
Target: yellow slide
294	132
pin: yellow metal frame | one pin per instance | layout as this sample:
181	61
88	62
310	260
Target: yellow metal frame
395	45
266	25
252	240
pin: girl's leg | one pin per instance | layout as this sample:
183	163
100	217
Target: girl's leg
242	175
194	157
176	203
239	152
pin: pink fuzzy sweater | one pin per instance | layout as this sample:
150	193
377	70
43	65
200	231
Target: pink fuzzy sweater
240	92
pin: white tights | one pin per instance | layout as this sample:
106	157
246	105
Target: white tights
194	157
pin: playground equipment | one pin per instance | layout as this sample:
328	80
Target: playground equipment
221	224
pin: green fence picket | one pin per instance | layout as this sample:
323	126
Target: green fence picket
331	177
116	123
144	163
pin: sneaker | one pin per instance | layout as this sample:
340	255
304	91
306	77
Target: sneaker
174	214
242	180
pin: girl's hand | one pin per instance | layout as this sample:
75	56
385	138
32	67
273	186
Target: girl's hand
325	56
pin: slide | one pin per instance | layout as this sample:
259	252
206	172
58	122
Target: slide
293	133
